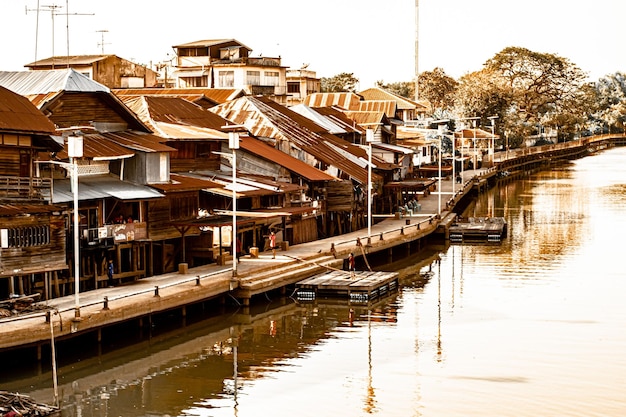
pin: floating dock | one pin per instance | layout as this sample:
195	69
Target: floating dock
490	229
359	287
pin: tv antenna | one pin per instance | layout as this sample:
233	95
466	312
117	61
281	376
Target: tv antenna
102	43
52	8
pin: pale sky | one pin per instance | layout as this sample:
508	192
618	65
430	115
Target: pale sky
374	40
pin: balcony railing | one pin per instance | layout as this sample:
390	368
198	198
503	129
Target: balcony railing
25	188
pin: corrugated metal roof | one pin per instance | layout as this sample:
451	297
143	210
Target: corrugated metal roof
138	141
179	183
30	83
330	125
216	95
386	106
475	133
98	148
376	93
393	148
266	118
347	101
210	42
65	60
340	118
367	118
247	186
292	164
15	209
101	186
18	114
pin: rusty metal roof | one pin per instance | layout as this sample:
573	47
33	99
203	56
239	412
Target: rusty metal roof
292	164
475	133
15	209
98	148
347	101
376	93
138	141
180	183
368	118
385	106
19	115
266	118
210	42
339	117
61	61
195	94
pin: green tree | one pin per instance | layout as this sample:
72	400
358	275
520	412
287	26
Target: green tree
611	101
343	82
438	88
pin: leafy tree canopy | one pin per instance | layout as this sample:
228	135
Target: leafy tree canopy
343	82
438	88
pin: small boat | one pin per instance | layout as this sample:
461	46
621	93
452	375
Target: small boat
17	405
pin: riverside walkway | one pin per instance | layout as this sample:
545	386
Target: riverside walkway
138	300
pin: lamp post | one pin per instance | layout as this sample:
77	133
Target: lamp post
233	144
75	150
369	138
440	129
493	138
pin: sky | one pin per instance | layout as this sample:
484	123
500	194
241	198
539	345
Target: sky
372	39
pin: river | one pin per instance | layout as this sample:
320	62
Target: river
532	326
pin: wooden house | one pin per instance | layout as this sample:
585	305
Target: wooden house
227	63
109	70
268	179
311	143
32	230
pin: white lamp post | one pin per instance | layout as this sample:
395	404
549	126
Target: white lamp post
493	138
233	144
75	150
441	129
369	138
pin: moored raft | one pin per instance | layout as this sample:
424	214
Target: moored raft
359	286
490	229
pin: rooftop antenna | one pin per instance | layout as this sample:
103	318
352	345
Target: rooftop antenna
102	43
44	8
67	27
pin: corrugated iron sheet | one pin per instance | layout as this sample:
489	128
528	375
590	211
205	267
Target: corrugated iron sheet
385	106
179	183
347	101
266	118
19	115
403	103
295	165
72	60
29	83
216	95
101	186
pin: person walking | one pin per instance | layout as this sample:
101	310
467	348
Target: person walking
351	264
273	244
110	270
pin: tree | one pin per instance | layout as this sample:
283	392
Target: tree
402	88
438	88
542	85
343	82
611	101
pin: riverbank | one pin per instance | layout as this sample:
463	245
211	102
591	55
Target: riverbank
255	276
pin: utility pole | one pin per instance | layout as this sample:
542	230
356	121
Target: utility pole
417	24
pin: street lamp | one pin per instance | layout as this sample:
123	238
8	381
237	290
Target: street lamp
233	144
74	151
440	129
369	138
493	137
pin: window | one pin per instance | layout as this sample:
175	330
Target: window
293	88
271	78
253	77
226	78
193	81
22	237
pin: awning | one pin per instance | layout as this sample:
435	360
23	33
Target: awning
101	186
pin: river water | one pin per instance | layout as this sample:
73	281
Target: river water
533	326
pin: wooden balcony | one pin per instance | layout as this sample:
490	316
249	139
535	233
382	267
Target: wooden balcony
21	189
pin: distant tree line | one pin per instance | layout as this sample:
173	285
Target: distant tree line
525	91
